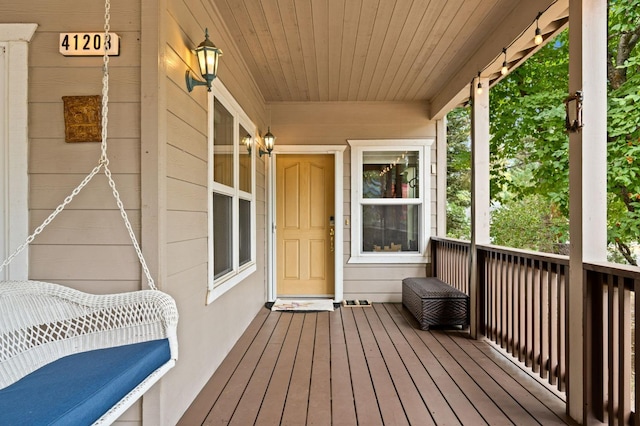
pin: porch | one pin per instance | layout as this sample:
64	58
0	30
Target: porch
368	366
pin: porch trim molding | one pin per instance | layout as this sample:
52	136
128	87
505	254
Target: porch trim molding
14	141
338	155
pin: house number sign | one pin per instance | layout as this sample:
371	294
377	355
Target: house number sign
89	44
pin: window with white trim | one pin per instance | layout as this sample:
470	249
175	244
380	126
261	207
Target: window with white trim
232	223
390	200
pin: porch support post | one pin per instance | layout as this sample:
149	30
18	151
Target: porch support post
480	198
587	184
441	177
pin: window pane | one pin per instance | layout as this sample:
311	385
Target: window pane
245	231
390	228
222	236
245	162
222	144
390	174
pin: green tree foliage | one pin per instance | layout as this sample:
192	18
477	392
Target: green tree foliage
529	223
458	173
529	146
624	125
529	153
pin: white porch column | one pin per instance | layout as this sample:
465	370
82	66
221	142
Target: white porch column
441	177
587	178
480	197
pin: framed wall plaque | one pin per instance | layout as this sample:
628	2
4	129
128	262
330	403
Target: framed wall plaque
82	118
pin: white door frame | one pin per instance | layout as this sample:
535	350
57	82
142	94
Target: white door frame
14	44
338	154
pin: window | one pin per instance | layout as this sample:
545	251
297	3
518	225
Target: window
232	226
389	200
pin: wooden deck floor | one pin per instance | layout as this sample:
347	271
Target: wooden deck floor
367	366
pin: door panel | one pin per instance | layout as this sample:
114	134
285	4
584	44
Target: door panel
304	206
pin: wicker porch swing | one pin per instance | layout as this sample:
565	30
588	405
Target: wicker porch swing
68	357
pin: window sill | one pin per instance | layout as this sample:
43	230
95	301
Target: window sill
388	258
228	283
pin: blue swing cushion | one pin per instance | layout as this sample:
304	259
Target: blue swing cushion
80	388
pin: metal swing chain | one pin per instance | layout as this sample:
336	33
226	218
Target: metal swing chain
103	162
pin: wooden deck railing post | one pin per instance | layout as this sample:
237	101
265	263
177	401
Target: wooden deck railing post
593	347
481	293
434	257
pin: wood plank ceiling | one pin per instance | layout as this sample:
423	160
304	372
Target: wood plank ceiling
360	50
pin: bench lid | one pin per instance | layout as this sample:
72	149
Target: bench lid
432	288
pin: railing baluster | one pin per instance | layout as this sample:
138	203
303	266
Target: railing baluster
500	300
624	360
537	316
544	318
510	305
503	300
562	327
522	303
528	317
491	285
612	347
554	276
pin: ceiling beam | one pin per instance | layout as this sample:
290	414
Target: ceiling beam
516	34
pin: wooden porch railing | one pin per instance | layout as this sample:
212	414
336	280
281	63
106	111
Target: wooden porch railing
522	308
450	262
521	300
610	342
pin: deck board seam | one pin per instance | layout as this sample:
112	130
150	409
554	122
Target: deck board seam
428	337
393	357
416	332
258	332
398	338
252	363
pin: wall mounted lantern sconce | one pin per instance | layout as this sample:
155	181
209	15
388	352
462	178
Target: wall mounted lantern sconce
573	106
269	141
247	141
208	56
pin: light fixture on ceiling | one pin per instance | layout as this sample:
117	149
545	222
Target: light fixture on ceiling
538	37
208	56
269	142
247	141
505	67
479	88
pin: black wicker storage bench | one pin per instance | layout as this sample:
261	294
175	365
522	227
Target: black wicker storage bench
434	302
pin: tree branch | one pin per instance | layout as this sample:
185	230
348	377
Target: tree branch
625	251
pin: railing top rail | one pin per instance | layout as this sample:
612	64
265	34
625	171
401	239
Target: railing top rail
625	271
451	240
529	254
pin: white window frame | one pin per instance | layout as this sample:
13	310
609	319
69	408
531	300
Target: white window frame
358	147
218	286
14	72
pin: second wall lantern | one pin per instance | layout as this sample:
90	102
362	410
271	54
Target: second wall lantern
269	142
208	56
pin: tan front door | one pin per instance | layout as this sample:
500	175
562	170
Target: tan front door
304	225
